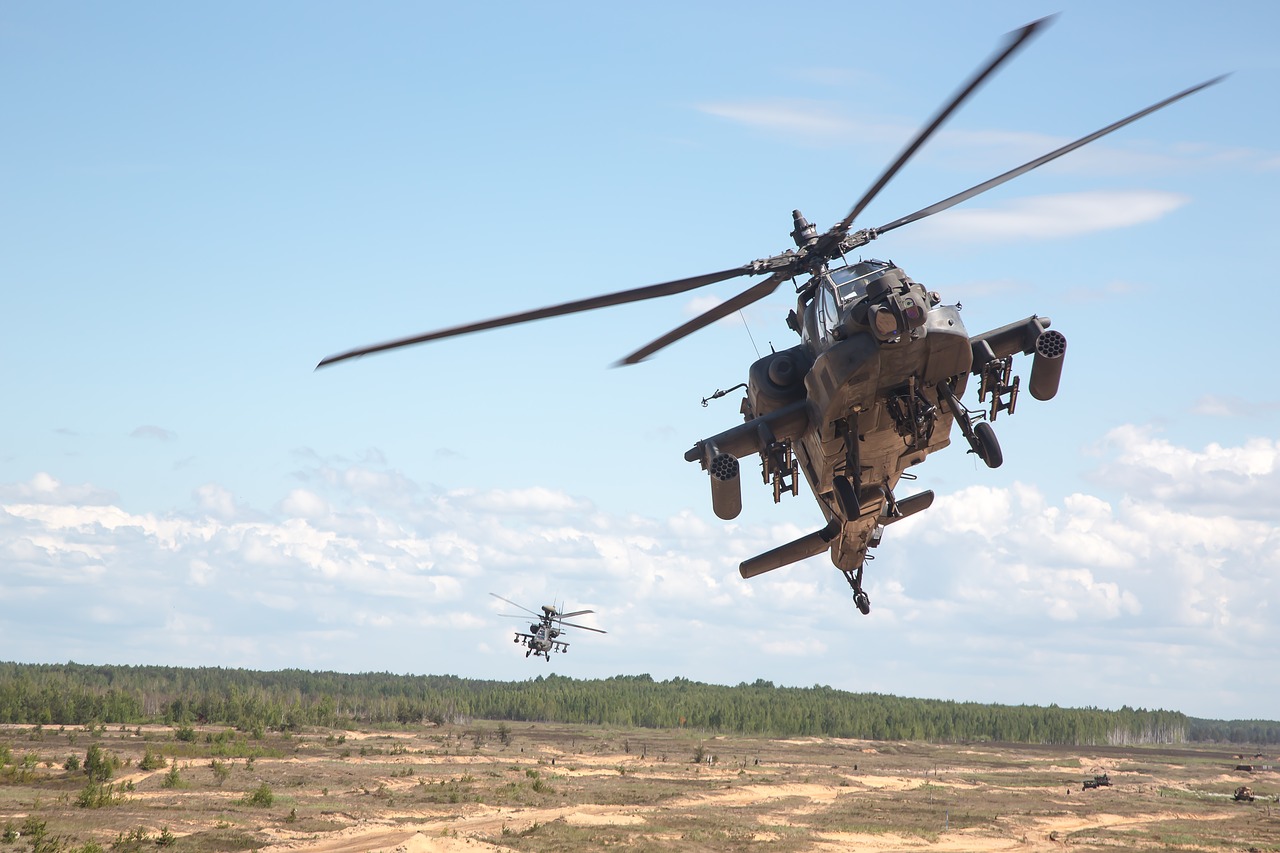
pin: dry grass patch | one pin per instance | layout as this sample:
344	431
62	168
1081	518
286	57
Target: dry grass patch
555	787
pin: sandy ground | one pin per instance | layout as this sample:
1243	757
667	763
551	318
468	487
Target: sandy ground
347	792
782	800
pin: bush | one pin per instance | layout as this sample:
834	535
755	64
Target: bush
220	770
261	796
172	779
151	760
99	765
96	796
34	829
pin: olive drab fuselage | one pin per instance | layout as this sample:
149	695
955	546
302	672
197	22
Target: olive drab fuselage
853	375
544	635
872	389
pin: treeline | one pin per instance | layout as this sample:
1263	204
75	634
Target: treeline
1234	731
77	694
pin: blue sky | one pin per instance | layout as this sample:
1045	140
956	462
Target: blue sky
201	201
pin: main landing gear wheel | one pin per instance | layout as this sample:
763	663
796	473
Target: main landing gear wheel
860	598
988	448
980	435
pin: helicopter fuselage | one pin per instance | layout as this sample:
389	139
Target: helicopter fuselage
873	404
871	390
542	639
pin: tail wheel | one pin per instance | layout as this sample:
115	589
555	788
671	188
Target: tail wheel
988	447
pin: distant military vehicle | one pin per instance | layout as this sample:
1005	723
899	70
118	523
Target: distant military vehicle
1103	781
1244	794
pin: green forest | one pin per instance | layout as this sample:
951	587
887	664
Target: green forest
79	694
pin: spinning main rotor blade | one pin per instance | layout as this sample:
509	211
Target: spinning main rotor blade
513	604
829	241
1039	161
828	244
583	627
574	613
724	309
638	294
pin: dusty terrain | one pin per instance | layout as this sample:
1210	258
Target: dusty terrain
492	786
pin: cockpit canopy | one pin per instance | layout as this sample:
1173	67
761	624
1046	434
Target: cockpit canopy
872	296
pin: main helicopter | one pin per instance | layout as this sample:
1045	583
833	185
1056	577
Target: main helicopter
543	636
875	384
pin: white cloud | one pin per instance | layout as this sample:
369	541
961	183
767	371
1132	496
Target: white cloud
46	489
154	433
1215	405
535	500
1052	216
216	501
808	121
990	151
993	594
304	503
1242	481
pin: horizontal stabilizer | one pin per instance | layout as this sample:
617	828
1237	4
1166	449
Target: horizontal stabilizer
793	552
910	506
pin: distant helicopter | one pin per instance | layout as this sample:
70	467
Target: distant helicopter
542	638
875	384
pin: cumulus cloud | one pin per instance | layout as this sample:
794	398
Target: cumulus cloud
1177	562
46	489
533	500
1241	481
303	503
1110	597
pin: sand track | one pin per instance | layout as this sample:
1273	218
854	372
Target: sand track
455	789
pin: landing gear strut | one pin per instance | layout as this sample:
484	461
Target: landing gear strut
981	437
860	598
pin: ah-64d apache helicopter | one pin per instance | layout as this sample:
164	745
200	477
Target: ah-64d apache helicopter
543	636
875	384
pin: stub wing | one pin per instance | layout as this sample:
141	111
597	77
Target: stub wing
556	645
